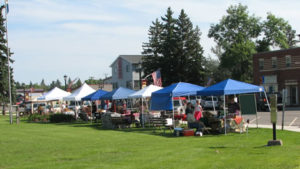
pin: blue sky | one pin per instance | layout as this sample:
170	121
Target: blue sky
81	38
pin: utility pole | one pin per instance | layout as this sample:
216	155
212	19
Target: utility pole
8	65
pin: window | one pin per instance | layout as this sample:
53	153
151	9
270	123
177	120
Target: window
128	84
115	85
274	62
261	64
288	61
135	67
136	84
127	68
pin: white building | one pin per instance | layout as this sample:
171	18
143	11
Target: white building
126	72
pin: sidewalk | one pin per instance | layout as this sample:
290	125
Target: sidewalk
278	127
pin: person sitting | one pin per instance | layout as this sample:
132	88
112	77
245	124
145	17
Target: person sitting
233	108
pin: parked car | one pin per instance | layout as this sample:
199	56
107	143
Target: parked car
209	102
35	107
74	106
262	104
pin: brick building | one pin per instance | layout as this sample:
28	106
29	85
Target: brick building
277	70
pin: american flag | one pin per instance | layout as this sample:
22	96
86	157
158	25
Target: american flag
157	78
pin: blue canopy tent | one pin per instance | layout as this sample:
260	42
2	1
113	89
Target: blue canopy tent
117	94
230	87
95	96
163	99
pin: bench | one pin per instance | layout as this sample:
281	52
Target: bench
161	123
120	122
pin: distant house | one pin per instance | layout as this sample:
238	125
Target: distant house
30	94
126	72
277	70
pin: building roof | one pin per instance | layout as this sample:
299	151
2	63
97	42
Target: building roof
30	90
130	58
280	52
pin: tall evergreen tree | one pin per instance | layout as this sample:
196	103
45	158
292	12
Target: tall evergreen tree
189	51
152	49
4	85
52	85
78	83
58	83
43	85
174	47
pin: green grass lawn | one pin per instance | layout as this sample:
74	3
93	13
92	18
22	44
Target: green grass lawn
37	145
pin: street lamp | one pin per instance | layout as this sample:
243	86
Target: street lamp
65	78
140	73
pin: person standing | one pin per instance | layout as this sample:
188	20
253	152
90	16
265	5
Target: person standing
198	110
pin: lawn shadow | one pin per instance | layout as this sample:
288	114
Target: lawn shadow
146	130
218	147
97	126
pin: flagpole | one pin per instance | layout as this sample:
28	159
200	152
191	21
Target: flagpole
9	82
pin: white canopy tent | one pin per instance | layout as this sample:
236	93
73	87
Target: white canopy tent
54	94
144	93
79	93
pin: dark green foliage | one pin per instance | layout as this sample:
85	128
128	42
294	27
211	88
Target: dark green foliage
43	85
277	33
234	35
174	47
4	85
239	35
38	118
59	118
78	83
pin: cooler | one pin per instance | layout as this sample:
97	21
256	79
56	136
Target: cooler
189	132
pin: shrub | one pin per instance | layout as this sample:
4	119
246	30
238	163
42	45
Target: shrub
58	118
38	118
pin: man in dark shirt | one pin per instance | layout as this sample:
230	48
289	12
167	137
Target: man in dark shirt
233	107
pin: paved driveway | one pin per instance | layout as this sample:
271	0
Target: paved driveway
291	118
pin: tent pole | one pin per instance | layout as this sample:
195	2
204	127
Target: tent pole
173	120
213	104
91	111
142	113
224	116
75	110
267	101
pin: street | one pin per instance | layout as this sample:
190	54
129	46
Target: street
291	118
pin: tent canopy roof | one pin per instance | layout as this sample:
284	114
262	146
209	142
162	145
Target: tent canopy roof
54	94
145	92
95	96
179	89
79	93
120	93
162	99
229	87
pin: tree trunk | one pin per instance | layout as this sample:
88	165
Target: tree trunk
3	109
